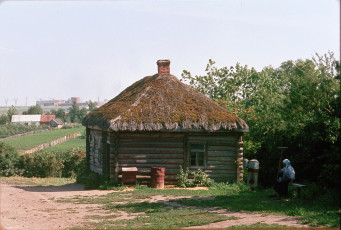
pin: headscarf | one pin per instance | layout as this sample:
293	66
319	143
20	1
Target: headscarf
287	163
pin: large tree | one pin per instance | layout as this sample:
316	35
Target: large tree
295	105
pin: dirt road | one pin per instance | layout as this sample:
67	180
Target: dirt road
35	208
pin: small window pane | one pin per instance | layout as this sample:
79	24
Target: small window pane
197	154
197	147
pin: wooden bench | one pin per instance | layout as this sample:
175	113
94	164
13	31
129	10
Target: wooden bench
298	187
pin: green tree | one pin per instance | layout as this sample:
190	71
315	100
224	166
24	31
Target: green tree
296	105
74	112
3	119
60	113
35	109
11	111
91	105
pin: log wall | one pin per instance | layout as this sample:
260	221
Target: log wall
221	155
145	151
109	152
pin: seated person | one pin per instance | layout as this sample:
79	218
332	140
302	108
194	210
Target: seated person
281	185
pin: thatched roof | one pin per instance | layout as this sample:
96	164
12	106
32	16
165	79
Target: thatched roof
163	103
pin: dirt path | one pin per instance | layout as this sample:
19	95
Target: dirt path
31	207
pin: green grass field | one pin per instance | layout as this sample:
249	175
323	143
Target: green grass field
31	141
75	143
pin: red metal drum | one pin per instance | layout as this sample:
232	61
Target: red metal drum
157	177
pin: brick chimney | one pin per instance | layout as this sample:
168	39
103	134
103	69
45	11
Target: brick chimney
163	66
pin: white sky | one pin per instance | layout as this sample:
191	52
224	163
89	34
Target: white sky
59	49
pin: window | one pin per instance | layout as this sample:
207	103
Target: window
197	154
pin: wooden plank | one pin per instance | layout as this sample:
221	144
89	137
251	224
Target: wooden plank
222	153
226	139
136	134
227	163
122	149
151	145
143	151
167	166
220	171
151	139
224	158
151	156
218	167
151	161
221	148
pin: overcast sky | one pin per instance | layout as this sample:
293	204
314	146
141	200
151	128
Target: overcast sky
95	49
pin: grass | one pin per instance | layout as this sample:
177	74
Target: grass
53	181
258	226
74	143
317	212
179	212
31	141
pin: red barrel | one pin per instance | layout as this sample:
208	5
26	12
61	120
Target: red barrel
157	177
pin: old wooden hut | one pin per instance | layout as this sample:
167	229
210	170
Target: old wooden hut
161	122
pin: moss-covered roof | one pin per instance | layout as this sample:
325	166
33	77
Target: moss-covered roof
162	102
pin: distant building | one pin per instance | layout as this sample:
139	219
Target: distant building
26	119
46	119
32	119
56	123
50	103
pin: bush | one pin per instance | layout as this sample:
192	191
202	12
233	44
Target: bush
41	165
9	160
11	129
200	178
53	164
183	180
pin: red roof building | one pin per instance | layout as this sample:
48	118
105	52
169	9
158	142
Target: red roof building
45	119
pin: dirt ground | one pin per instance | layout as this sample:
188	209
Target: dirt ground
30	207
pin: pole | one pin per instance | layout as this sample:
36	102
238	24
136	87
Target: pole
280	160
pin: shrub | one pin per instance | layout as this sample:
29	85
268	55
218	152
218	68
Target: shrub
11	129
183	180
202	179
41	165
9	160
53	164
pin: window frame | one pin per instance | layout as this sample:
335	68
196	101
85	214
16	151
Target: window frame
190	154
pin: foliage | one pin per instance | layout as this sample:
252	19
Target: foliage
41	165
295	105
200	178
183	180
4	119
76	115
91	105
11	129
60	113
35	109
52	164
11	111
9	160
